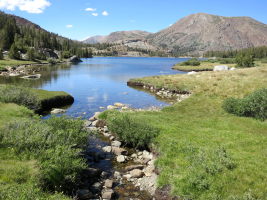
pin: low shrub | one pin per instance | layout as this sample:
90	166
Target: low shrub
253	105
51	143
20	96
227	61
51	61
191	62
244	60
131	131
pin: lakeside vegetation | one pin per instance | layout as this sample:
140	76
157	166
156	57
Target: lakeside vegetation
205	152
39	159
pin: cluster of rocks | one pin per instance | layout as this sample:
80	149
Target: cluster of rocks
21	70
137	168
222	68
165	93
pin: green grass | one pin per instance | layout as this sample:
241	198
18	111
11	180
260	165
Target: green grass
19	177
204	152
35	99
204	66
9	62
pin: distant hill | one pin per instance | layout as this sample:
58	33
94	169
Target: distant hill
202	32
118	37
195	35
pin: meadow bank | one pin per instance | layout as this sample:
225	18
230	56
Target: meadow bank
205	152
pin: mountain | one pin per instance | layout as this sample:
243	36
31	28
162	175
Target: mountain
118	37
202	32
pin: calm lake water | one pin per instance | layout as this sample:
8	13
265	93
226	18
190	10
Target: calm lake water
101	81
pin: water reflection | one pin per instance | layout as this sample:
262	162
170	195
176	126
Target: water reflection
100	82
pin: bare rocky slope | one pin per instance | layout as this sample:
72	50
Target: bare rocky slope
196	34
118	37
202	32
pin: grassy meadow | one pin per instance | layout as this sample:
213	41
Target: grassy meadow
205	152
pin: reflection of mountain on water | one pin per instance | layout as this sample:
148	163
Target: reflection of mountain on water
49	75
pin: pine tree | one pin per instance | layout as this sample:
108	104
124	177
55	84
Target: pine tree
13	52
1	55
30	54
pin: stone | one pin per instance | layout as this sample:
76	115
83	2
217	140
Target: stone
118	105
104	174
105	129
101	107
34	76
106	134
110	107
147	155
136	173
119	151
94	123
121	158
116	143
221	68
96	115
112	137
232	68
92	129
107	194
57	111
84	194
190	73
107	149
127	176
134	155
117	174
74	59
87	123
108	183
91	173
148	171
132	167
92	119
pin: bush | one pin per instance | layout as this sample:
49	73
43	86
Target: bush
191	62
245	60
132	131
227	60
253	105
20	96
51	61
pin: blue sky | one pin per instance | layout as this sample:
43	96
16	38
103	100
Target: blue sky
76	19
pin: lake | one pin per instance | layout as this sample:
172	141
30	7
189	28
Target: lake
101	81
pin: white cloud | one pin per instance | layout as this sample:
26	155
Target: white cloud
90	9
170	24
69	26
30	6
105	13
95	14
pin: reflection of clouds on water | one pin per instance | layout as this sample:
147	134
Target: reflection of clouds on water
71	85
105	97
164	72
91	99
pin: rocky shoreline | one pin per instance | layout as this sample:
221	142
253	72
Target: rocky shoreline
121	172
162	92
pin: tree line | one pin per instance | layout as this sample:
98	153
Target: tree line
32	40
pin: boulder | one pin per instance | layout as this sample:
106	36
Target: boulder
221	68
57	111
136	173
107	149
190	73
107	194
119	151
87	123
121	159
132	167
96	115
74	59
119	105
116	143
110	107
108	183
